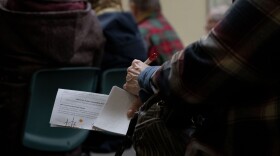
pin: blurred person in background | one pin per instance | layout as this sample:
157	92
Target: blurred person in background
39	34
158	33
123	39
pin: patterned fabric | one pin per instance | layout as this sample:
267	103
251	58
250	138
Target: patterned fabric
232	77
160	37
152	136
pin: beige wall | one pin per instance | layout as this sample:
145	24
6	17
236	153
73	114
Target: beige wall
186	16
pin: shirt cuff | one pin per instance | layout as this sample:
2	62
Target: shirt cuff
145	78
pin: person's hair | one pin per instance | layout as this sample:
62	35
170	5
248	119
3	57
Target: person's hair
147	5
103	4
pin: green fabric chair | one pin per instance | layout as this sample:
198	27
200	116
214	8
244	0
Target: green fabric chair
112	77
37	133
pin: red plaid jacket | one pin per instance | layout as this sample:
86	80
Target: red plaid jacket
160	37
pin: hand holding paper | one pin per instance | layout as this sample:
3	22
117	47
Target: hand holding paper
132	85
133	72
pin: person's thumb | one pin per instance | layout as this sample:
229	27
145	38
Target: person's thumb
134	108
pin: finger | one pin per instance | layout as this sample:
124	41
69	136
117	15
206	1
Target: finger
133	70
132	88
128	77
135	61
131	112
134	108
124	86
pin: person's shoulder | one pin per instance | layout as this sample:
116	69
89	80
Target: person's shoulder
113	20
149	23
119	26
126	17
119	17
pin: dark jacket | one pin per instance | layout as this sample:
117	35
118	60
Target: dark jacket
123	40
30	41
230	81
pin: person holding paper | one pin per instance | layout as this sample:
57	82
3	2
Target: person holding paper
232	76
123	44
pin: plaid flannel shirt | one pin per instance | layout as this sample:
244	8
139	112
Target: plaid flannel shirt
160	37
232	77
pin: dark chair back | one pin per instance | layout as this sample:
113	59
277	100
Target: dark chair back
112	77
38	134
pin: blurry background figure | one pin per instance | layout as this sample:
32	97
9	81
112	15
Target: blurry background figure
124	43
40	34
123	39
158	33
214	16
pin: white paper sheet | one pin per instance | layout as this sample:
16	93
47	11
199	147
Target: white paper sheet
92	111
76	109
113	116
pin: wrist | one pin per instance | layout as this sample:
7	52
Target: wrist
144	79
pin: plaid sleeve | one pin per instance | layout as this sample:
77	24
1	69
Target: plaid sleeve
229	53
235	69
